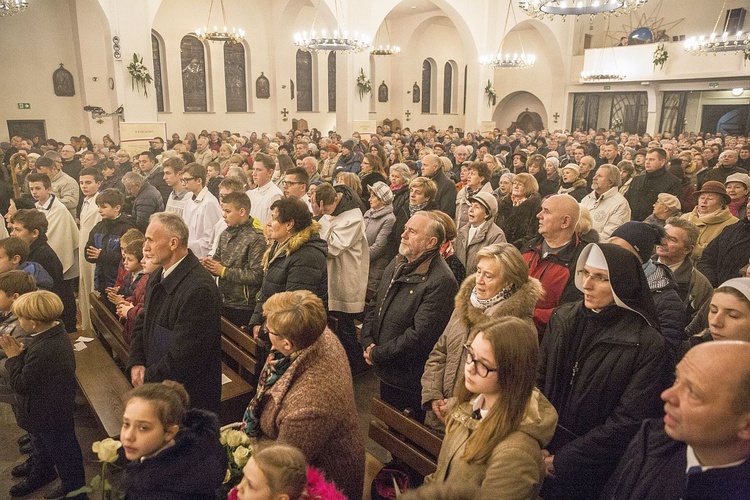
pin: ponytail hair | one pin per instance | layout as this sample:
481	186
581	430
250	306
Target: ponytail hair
169	398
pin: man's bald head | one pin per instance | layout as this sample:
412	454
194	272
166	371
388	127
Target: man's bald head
558	219
729	362
430	165
310	165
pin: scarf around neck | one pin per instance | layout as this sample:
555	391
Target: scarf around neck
276	365
483	304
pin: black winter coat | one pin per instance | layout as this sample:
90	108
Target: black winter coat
405	320
519	223
446	193
729	252
178	335
670	308
615	384
192	469
43	377
654	466
105	235
41	253
301	267
646	188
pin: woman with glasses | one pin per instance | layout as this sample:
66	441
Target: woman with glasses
501	422
603	364
516	211
501	287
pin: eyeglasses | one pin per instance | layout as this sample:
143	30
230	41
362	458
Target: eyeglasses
479	367
600	278
185	180
292	183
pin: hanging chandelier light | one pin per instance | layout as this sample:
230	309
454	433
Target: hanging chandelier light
593	76
505	61
233	35
388	49
338	40
550	8
714	44
601	74
12	7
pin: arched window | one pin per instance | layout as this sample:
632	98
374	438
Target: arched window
193	64
449	76
158	85
235	80
304	81
427	76
332	81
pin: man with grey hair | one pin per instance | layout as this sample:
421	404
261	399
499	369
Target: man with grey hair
310	164
410	310
587	166
432	168
147	199
178	335
64	187
608	208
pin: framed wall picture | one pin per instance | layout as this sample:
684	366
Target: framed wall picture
383	92
62	81
262	87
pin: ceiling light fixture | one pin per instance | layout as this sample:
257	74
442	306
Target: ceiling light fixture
714	44
550	8
235	35
504	61
601	74
12	7
338	40
388	50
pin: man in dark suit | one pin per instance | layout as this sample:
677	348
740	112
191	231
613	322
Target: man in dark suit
178	336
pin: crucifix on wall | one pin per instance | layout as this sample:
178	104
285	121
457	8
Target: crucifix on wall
408	115
285	112
556	116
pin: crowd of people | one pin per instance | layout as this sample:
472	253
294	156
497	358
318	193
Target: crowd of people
570	311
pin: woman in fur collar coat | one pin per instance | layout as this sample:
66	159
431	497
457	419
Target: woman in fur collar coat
500	287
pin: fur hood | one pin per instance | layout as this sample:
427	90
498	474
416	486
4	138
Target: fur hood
294	243
520	305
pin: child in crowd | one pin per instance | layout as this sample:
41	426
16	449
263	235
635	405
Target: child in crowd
237	260
111	178
41	373
175	453
129	307
103	246
130	236
13	284
280	471
14	253
90	180
213	178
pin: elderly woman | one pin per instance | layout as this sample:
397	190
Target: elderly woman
477	180
551	181
572	182
711	215
305	395
296	259
480	230
422	193
500	287
122	160
447	250
505	184
516	211
737	188
603	365
379	221
666	206
331	157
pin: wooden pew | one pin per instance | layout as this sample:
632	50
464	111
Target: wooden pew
406	439
241	363
102	382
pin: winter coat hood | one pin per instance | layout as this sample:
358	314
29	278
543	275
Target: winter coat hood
349	200
308	236
521	304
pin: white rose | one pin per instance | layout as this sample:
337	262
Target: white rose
106	450
236	438
241	456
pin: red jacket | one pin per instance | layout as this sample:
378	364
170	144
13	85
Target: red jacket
556	272
139	294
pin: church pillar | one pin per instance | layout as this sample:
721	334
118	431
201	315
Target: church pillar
349	106
478	108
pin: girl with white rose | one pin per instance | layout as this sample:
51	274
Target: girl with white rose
175	453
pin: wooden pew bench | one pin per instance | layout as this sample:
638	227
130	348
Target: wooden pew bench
240	359
406	439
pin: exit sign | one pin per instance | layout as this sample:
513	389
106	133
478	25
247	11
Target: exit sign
713	85
24	105
607	87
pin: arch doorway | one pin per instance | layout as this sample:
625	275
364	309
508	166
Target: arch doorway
528	121
521	110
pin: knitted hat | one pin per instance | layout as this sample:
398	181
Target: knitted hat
383	192
670	200
573	166
715	187
738	177
554	161
642	236
333	147
487	200
348	144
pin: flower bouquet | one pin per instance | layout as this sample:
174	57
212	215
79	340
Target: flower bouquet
239	451
107	453
660	56
363	84
139	74
491	94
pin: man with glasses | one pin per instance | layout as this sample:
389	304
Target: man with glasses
202	209
295	186
71	165
64	187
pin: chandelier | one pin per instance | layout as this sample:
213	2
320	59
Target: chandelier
235	35
550	8
505	61
602	73
12	7
338	40
388	50
715	44
590	76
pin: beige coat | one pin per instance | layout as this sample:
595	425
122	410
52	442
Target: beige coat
89	218
514	470
466	251
710	226
446	362
312	407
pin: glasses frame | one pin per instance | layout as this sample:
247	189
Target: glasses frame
470	359
596	278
